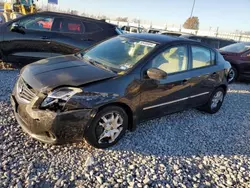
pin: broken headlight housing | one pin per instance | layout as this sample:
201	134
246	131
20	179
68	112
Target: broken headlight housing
57	99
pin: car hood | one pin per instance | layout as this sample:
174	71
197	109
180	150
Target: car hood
51	73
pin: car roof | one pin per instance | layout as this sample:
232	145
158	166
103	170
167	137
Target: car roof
207	37
176	32
156	38
73	16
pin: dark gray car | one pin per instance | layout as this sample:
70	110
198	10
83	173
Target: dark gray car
100	93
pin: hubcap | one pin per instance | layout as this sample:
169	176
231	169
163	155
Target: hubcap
231	75
111	124
218	97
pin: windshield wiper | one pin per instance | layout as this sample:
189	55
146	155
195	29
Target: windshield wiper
97	64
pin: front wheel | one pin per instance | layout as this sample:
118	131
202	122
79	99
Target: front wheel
107	128
232	75
215	101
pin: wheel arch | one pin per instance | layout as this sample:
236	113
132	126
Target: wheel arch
223	86
236	66
128	110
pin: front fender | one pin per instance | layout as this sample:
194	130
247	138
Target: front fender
90	100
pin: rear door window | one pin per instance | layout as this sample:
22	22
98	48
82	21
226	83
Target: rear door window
202	57
66	25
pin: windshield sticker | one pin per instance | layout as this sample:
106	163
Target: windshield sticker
121	73
148	44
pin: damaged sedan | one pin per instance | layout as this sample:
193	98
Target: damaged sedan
100	93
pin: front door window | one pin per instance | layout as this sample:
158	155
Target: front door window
37	22
172	60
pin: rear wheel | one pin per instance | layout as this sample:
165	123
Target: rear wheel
232	75
215	101
107	128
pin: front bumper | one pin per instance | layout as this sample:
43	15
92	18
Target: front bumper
52	127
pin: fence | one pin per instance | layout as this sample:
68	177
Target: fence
233	36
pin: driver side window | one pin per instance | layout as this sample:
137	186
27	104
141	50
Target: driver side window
172	60
37	22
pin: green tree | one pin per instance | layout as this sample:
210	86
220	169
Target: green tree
192	23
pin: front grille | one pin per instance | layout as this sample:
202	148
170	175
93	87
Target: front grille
24	91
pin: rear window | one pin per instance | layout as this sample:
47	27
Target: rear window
91	27
212	43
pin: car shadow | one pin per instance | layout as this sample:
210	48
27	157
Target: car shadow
193	132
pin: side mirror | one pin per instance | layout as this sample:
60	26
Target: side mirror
156	74
15	27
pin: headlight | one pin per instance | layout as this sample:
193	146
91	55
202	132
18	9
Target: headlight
57	99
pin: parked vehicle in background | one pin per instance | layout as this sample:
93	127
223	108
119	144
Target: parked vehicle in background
173	33
239	56
154	31
211	41
132	29
47	34
101	92
13	9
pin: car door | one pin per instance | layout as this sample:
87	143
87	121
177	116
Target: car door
160	97
245	59
69	36
29	43
204	74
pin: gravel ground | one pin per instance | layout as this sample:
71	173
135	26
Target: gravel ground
186	149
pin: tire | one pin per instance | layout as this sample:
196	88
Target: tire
210	107
233	75
95	130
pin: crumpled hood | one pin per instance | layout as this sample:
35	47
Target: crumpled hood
47	74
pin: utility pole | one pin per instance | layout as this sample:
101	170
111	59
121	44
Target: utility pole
192	9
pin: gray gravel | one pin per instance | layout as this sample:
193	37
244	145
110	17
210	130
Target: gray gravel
186	149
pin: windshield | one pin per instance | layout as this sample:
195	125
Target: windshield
119	53
236	48
26	2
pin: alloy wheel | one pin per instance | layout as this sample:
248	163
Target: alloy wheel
111	126
218	97
231	75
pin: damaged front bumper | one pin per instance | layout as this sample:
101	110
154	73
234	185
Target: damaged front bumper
52	127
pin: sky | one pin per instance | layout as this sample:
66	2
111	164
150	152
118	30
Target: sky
228	15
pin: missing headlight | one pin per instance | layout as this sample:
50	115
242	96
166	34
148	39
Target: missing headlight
57	99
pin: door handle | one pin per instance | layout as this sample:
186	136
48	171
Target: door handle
44	37
86	39
214	75
185	81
